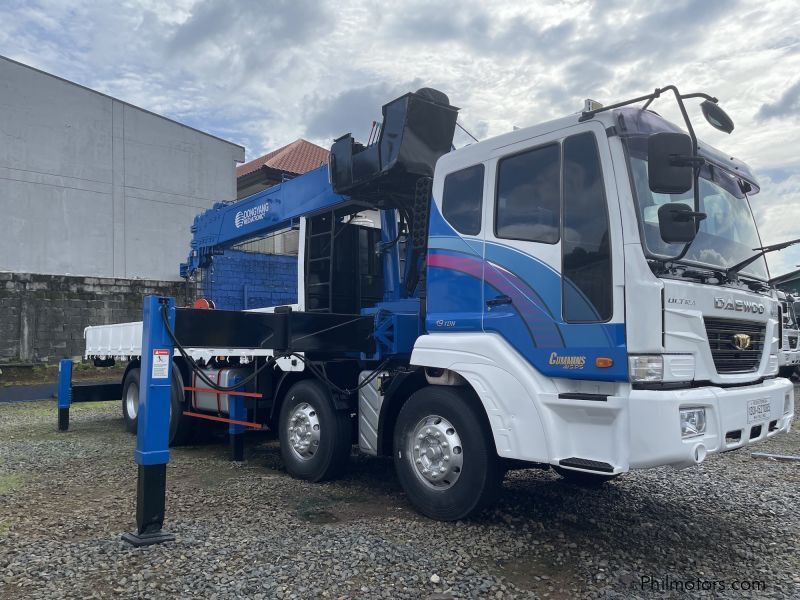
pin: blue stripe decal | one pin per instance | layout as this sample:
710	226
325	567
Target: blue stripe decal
460	278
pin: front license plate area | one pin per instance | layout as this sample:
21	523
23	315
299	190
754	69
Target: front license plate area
758	410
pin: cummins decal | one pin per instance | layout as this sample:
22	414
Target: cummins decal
251	215
568	362
739	305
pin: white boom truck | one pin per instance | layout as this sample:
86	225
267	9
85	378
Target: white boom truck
587	294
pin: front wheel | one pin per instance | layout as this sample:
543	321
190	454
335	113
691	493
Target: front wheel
444	454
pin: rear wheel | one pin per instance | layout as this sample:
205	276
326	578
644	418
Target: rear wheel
444	454
584	479
130	399
315	438
180	427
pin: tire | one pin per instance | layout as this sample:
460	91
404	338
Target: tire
180	427
584	479
130	399
473	475
315	438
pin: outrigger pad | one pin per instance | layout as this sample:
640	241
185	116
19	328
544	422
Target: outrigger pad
147	539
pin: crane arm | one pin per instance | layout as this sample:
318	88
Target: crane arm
278	207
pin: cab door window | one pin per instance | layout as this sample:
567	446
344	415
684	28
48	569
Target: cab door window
462	202
585	246
528	196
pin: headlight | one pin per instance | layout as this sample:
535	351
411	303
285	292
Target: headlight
787	403
772	365
646	368
693	422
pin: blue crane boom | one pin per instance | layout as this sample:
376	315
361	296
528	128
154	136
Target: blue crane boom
278	207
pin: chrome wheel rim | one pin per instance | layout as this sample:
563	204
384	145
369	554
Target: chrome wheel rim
303	431
436	452
132	401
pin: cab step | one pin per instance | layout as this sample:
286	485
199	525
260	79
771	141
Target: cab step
586	465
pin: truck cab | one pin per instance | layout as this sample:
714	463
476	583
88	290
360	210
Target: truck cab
551	291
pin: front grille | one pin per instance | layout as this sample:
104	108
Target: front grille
728	358
792	342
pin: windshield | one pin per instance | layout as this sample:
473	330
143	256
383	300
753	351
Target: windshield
726	236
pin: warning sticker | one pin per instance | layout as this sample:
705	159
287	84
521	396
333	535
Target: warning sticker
160	363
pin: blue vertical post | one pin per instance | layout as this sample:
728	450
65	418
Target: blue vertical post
152	432
391	255
64	393
236	412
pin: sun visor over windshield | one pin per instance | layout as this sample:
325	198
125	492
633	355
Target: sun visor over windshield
636	122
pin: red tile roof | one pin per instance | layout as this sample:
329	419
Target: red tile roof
298	157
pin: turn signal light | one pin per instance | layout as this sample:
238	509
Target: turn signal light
603	362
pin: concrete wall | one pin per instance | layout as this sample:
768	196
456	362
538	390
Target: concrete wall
93	186
43	316
239	280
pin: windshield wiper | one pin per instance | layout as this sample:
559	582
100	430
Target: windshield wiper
759	252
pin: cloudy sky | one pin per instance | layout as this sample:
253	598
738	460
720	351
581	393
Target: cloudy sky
263	73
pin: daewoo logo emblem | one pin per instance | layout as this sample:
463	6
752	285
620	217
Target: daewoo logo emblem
740	341
739	305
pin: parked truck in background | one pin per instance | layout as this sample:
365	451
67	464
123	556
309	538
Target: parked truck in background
587	294
788	352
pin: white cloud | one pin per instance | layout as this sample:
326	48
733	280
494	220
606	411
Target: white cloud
264	74
777	209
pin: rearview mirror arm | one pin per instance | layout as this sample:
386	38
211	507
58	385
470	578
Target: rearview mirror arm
679	99
696	166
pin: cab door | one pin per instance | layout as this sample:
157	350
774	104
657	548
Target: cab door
548	271
454	279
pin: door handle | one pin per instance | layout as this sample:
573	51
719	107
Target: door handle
498	301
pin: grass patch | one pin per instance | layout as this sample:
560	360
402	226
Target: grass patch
48	373
11	482
49	408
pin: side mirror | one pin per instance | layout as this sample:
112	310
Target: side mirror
676	223
716	117
669	163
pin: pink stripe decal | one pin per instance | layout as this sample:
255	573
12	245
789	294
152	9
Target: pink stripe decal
525	300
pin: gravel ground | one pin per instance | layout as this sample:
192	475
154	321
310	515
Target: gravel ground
253	531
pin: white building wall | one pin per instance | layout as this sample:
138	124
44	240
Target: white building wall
90	185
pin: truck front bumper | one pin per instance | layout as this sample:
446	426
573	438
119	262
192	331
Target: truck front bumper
732	421
788	358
